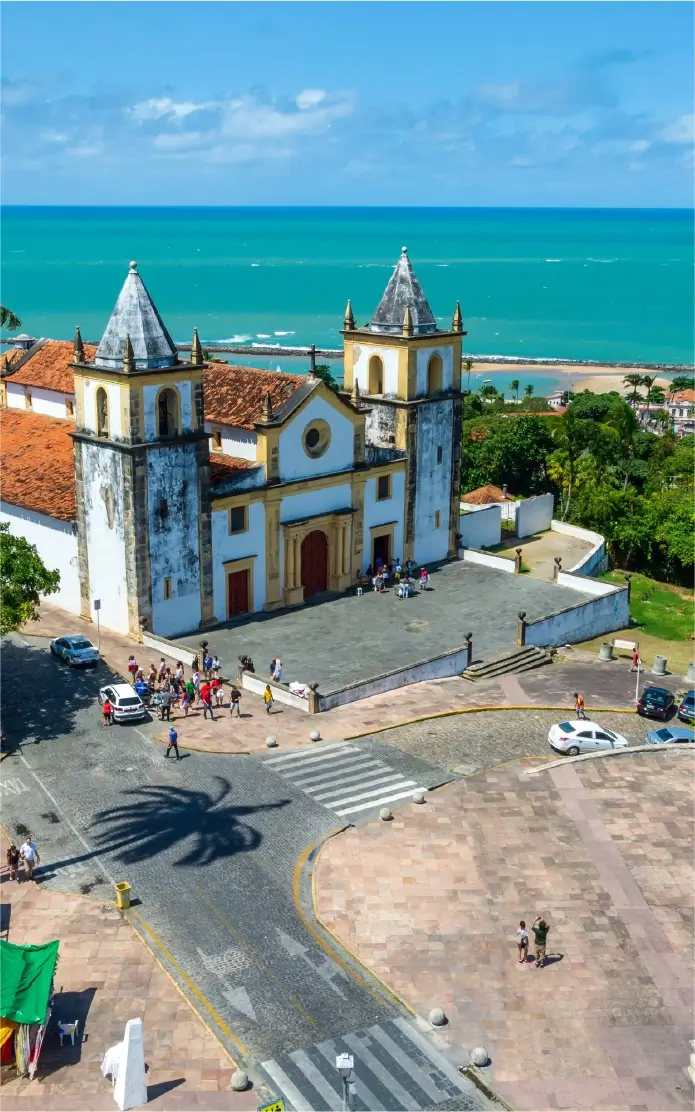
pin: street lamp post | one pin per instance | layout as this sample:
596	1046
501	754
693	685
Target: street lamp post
344	1064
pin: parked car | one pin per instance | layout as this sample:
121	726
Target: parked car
686	708
669	735
655	702
573	738
75	649
127	704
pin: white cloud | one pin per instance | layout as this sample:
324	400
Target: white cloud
157	108
177	140
248	118
309	98
54	136
85	150
499	96
681	130
640	145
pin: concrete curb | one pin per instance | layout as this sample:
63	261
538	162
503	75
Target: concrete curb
626	752
484	710
204	749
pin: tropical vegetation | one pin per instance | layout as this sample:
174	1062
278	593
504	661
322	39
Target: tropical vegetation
23	579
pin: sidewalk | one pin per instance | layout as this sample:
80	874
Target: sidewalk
105	976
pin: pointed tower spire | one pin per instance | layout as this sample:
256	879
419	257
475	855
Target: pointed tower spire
78	353
136	314
403	291
407	322
349	319
196	350
457	323
128	355
267	414
355	396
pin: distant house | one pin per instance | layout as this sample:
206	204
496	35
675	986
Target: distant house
681	409
487	496
555	401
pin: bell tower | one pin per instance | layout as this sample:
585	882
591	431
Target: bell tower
408	373
142	474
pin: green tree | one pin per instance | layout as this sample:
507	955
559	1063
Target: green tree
593	406
658	395
511	450
9	320
682	382
514	387
323	371
634	381
649	381
567	435
23	579
528	389
467	366
623	426
488	391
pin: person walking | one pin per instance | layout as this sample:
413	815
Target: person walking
217	690
277	674
540	932
13	862
107	710
206	700
162	669
267	698
178	674
636	665
579	705
273	666
132	668
234	701
30	856
173	743
216	667
522	941
165	704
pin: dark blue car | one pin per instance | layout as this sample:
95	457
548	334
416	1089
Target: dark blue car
75	650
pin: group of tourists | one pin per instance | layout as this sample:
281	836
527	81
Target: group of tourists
26	855
382	574
168	689
540	933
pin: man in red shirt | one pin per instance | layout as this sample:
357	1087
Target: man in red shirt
108	712
206	700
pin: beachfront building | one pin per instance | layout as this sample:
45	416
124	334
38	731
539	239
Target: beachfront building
181	493
681	410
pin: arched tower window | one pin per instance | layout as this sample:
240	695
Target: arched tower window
102	412
168	412
434	374
376	375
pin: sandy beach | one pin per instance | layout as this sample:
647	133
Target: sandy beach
597	379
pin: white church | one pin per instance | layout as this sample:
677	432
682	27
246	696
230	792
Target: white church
182	494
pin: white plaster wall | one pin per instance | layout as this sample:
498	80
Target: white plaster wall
533	515
383	513
240	443
323	500
149	404
482	527
56	542
339	456
471	556
113	395
15	396
423	358
433	481
436	668
49	403
593	562
172	474
581	622
281	694
389	357
103	497
239	546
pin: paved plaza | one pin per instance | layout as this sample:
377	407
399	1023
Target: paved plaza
603	848
348	639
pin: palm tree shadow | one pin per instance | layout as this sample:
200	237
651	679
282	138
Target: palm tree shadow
161	817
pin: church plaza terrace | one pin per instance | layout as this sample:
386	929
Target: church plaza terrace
348	640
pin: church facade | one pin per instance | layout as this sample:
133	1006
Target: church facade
186	493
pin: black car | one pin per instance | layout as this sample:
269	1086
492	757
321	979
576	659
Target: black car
686	709
655	702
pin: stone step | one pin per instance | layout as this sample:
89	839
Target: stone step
516	652
523	659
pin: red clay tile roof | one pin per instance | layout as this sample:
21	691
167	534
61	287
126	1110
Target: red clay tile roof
486	495
223	467
38	470
681	396
7	358
235	395
48	367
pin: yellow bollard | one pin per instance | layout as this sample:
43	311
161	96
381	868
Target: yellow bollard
122	895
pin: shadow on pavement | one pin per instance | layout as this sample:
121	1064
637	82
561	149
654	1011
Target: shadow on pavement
159	818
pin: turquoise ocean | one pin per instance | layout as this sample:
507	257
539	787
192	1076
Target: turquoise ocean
605	285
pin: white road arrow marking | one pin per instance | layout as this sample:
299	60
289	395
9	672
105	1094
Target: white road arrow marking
232	961
326	970
240	999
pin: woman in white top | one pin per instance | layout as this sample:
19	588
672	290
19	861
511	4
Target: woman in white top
522	941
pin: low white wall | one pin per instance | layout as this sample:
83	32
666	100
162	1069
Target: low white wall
481	527
251	682
581	622
173	652
583	583
534	515
436	668
56	543
594	561
472	556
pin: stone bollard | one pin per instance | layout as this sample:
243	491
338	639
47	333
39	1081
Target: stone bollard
606	651
385	815
521	628
659	668
690	674
240	1080
314	735
557	567
469	650
479	1056
313	699
437	1017
418	797
517	561
271	742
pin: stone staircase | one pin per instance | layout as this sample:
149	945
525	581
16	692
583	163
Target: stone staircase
520	659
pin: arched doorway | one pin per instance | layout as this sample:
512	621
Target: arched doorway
314	555
375	384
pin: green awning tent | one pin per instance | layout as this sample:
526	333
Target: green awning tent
26	978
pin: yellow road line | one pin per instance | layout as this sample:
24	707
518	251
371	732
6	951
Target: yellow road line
483	710
188	982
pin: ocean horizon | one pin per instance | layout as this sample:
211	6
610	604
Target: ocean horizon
604	285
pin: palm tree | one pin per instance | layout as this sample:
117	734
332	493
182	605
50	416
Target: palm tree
528	390
635	381
622	425
514	387
648	381
9	320
468	363
489	391
567	436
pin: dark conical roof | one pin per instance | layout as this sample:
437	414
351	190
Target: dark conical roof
403	292
135	315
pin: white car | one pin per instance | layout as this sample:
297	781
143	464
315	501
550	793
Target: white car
127	704
573	738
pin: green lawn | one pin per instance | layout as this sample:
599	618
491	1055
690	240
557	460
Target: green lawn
658	609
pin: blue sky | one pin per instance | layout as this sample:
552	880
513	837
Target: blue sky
348	103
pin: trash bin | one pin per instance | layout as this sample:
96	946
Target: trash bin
659	668
606	651
122	895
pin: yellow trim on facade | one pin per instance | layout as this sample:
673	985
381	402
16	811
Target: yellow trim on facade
230	568
299	486
336	525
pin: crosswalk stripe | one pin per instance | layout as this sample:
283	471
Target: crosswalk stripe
376	786
363	1054
341	764
394	1051
285	1086
305	752
350	783
376	802
426	1047
306	761
320	1083
318	782
329	1050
